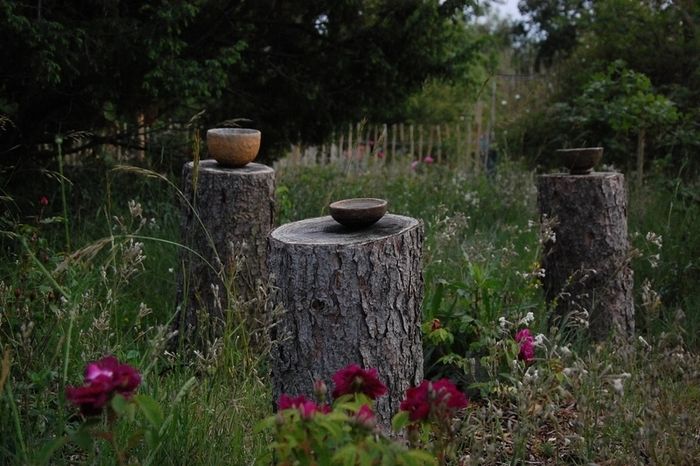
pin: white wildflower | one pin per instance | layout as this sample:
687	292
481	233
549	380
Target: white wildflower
539	339
644	342
618	386
529	317
653	238
135	209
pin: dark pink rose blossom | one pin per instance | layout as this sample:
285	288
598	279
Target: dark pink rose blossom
428	160
354	379
446	393
103	379
288	402
44	201
440	399
527	345
126	380
123	378
102	369
90	398
306	407
365	416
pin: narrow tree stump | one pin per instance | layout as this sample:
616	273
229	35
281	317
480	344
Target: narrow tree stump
227	234
587	262
350	297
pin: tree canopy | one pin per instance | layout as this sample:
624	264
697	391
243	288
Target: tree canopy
623	66
296	68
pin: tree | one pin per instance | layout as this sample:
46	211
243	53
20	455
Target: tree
296	68
554	25
657	40
626	101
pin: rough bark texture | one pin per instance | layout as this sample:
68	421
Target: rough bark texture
349	297
587	266
236	207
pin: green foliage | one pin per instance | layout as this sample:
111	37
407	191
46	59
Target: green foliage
297	70
625	100
618	101
596	99
479	265
339	437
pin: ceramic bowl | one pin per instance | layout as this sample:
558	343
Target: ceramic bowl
233	147
359	212
580	161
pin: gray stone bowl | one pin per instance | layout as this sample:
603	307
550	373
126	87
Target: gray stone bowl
358	213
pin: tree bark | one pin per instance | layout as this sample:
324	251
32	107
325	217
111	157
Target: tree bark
226	225
587	263
350	297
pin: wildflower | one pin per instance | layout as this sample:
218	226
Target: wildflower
440	398
380	154
103	379
653	238
428	159
44	201
354	379
502	322
539	339
435	325
527	345
414	164
529	317
618	386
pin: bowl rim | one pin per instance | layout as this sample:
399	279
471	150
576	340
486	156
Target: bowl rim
233	132
339	205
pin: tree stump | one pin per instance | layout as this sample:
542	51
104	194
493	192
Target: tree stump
225	226
349	297
586	263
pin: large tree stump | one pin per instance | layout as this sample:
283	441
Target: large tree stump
586	263
349	297
225	224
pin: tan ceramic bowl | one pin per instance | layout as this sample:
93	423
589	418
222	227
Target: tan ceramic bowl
233	147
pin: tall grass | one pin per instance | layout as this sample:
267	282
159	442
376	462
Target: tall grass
480	265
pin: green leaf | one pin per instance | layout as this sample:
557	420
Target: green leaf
83	438
346	455
48	450
422	458
400	420
151	409
119	404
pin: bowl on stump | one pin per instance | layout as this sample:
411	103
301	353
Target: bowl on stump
581	160
358	213
233	147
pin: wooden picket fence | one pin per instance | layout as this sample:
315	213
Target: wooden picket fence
363	145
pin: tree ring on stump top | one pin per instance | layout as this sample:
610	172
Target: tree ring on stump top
326	231
215	168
